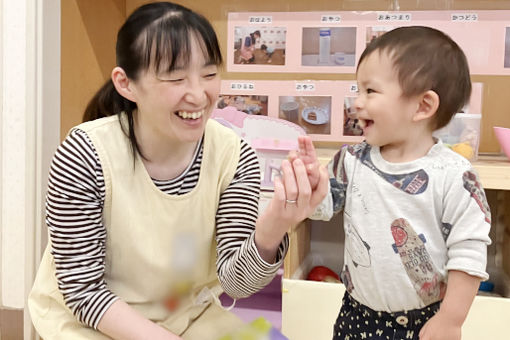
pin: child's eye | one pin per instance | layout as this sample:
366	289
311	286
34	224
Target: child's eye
210	75
370	91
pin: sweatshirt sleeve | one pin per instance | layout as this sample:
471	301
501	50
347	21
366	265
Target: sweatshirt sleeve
466	223
334	201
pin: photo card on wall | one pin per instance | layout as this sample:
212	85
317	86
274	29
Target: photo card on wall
312	113
259	45
250	104
507	48
328	46
332	42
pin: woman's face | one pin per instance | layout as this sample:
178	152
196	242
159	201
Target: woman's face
174	106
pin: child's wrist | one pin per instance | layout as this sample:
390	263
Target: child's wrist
451	315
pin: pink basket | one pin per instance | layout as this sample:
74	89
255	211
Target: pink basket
503	136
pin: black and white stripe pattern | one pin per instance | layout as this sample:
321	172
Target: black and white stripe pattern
74	205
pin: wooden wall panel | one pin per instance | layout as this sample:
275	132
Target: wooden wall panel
89	28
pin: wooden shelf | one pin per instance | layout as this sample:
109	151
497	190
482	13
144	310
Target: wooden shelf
494	170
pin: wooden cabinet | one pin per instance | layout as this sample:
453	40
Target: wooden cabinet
309	308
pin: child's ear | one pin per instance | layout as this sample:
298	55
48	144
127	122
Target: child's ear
427	106
123	84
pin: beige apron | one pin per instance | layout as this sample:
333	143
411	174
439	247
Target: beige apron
155	242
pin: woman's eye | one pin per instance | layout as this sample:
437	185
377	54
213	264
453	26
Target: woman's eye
176	80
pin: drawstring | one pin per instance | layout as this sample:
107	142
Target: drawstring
207	295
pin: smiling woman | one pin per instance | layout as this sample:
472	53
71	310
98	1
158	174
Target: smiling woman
129	257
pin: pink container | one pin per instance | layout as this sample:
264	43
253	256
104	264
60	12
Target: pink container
503	136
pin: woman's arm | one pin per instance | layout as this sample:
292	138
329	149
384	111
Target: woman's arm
74	206
123	322
241	269
292	202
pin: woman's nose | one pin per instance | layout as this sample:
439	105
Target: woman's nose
195	92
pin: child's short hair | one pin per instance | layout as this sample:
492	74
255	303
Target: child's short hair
427	59
263	47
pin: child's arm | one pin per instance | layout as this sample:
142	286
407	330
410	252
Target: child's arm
447	323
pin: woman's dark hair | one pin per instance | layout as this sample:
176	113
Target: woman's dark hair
427	59
252	36
156	35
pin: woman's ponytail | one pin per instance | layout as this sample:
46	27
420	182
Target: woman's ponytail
107	102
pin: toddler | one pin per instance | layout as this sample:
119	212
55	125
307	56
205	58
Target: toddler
416	218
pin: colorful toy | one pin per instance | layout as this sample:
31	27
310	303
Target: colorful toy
323	274
464	149
258	329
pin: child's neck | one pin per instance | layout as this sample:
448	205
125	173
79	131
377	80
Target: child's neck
409	150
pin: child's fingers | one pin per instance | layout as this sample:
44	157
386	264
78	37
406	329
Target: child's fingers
312	168
322	187
293	154
306	146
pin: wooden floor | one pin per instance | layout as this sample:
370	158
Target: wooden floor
11	324
261	58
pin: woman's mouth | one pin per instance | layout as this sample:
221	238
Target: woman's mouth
190	115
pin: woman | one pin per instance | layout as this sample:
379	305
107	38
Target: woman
150	203
248	47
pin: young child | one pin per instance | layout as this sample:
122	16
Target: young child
268	50
416	218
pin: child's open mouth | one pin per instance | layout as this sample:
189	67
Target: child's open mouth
365	123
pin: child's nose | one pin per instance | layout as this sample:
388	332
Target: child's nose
358	102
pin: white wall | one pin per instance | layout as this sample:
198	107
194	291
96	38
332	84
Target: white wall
29	134
14	151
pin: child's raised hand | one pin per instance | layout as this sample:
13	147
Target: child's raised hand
306	153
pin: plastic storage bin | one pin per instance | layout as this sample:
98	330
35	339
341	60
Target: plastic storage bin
462	134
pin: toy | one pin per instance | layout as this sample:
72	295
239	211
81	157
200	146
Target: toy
464	149
258	329
323	274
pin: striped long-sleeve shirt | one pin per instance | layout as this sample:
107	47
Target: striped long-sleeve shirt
74	206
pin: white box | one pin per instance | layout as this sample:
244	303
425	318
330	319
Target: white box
310	308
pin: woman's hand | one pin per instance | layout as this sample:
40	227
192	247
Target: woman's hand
293	201
121	321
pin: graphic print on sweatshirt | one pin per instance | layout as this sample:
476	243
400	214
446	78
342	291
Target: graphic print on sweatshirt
416	260
338	183
345	275
355	246
472	184
413	183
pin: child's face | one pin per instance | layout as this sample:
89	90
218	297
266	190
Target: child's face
384	113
